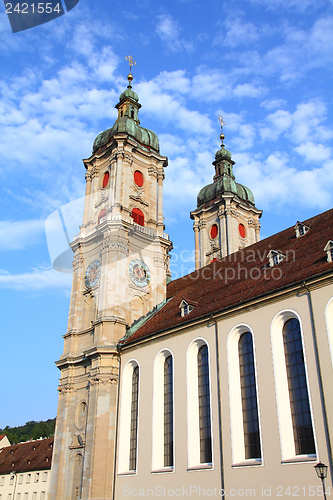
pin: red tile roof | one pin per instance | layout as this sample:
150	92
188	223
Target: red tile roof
244	276
25	457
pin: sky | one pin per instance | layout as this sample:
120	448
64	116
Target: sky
264	65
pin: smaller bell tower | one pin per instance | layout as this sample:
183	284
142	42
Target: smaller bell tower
226	218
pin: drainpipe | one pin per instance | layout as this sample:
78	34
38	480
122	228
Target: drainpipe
210	323
320	380
15	482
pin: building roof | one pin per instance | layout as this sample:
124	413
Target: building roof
25	457
243	277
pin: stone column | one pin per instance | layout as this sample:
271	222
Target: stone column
196	244
87	200
160	220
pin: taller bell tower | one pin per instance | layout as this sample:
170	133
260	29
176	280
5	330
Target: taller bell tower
120	272
226	218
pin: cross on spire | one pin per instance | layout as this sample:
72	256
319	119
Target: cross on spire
222	122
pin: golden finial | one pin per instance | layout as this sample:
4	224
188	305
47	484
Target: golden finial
131	63
222	122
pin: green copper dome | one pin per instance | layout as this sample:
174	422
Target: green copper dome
224	181
224	185
223	153
128	123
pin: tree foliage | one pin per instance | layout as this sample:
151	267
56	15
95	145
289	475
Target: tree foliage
31	430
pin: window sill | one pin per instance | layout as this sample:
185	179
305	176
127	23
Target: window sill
200	467
127	473
251	462
162	470
300	459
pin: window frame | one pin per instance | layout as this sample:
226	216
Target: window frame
235	398
158	412
125	419
193	430
287	441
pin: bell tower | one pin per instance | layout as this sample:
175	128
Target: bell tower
226	218
120	271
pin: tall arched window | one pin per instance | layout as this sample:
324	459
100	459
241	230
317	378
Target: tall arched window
129	419
243	397
199	419
163	412
134	419
250	413
168	412
298	389
329	324
204	406
291	385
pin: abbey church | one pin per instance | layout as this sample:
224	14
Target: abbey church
216	384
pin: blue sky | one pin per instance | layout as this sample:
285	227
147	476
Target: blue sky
265	65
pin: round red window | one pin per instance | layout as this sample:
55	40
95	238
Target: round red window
106	179
213	231
241	230
138	178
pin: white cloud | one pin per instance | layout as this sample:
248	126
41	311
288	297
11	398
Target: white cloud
17	235
37	280
291	5
248	90
271	104
169	32
210	85
175	81
313	152
167	108
307	121
237	32
276	182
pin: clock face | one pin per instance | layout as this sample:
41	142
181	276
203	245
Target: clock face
139	273
92	273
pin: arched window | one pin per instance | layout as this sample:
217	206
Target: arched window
77	476
250	413
168	412
138	216
134	419
292	394
244	405
163	417
204	406
129	419
199	405
298	389
101	215
329	325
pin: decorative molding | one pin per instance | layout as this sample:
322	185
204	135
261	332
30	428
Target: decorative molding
65	389
78	442
78	262
109	243
103	380
138	199
159	261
